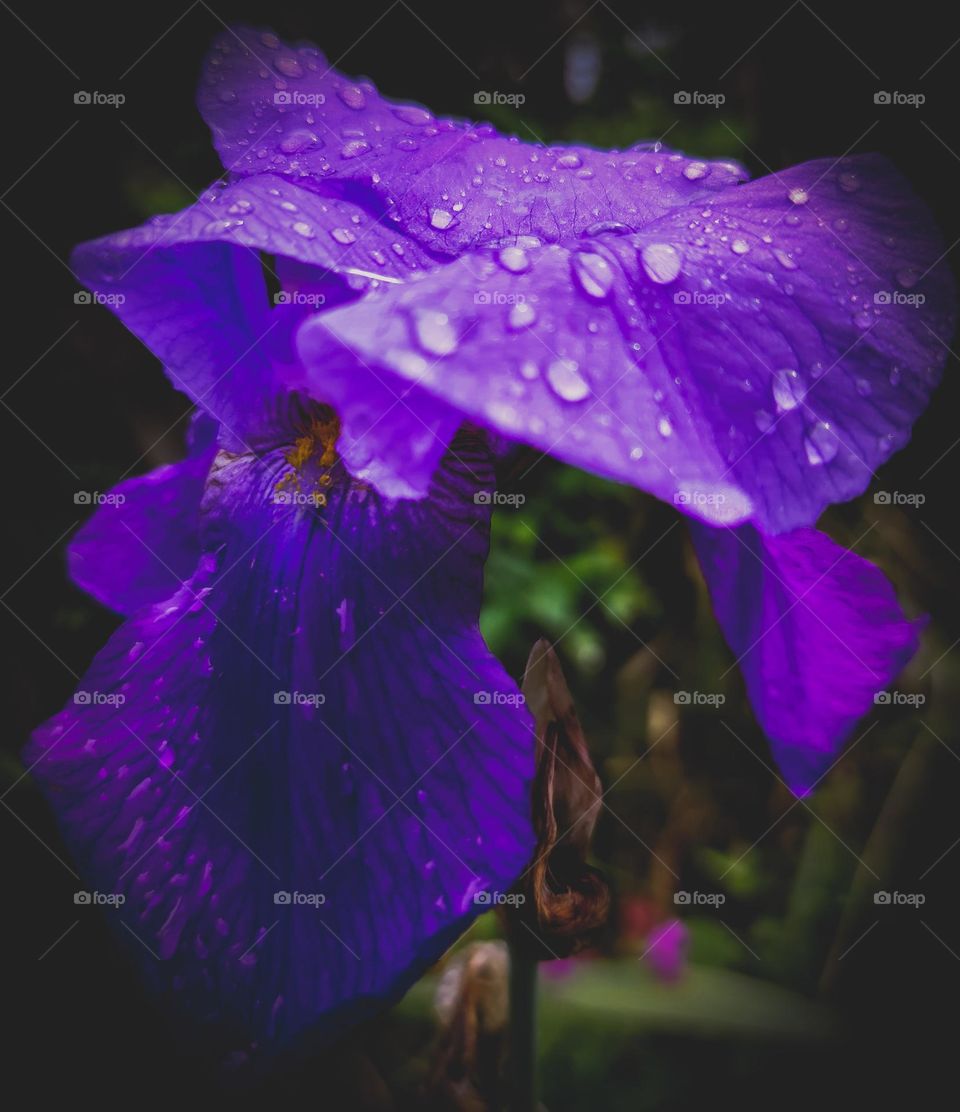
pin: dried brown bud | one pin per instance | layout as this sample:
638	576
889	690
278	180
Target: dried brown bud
567	899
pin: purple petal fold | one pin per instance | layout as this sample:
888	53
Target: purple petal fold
313	714
143	540
817	632
753	357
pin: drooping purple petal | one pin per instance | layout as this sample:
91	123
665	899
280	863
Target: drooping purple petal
817	632
282	109
314	714
143	540
756	356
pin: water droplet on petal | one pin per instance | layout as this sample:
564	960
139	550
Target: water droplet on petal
908	277
298	140
661	261
435	332
849	183
863	319
344	236
288	66
569	161
529	369
521	315
788	390
864	389
784	259
352	96
821	444
566	380
740	247
798	196
441	219
241	206
894	376
302	228
514	259
664	427
354	148
593	273
695	170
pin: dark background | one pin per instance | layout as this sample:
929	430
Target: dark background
85	405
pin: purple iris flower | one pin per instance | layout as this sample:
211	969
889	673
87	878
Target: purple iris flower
280	758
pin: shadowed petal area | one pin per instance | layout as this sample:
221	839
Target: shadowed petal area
299	793
143	540
192	287
817	632
449	184
756	357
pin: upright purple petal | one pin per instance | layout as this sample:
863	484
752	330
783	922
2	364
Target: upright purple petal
281	109
817	632
313	715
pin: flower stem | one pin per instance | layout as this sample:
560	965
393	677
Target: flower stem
523	1030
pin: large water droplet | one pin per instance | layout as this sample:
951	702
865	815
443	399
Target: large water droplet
354	148
788	390
566	380
435	332
569	161
302	228
441	219
593	273
521	315
661	261
352	96
821	444
784	259
298	140
344	236
695	170
798	196
740	247
288	66
514	259
664	427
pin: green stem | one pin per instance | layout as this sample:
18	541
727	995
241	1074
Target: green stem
523	1030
